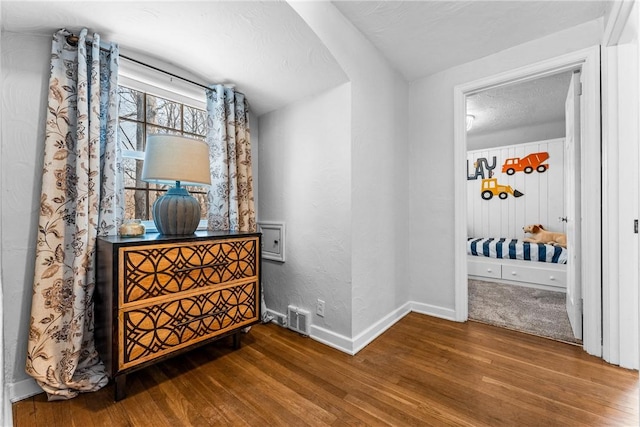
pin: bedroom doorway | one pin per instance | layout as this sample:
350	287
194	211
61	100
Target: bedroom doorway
512	126
587	61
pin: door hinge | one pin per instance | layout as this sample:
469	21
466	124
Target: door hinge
635	226
580	89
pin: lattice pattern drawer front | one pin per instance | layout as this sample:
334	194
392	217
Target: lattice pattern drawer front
149	332
148	272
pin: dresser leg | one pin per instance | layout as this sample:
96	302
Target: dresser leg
121	387
236	340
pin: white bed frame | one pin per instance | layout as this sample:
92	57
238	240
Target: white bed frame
532	274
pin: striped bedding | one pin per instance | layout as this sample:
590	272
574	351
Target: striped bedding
516	249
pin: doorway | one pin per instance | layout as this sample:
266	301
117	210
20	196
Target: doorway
588	61
522	127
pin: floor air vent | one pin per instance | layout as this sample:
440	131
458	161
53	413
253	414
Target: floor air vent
298	320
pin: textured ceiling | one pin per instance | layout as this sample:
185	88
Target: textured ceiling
264	48
271	55
517	105
421	38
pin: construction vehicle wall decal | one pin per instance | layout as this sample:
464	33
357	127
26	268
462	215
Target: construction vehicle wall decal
526	164
490	188
480	166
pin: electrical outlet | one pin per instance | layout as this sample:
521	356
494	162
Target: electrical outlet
282	320
320	308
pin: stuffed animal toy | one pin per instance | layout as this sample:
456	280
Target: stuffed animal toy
540	235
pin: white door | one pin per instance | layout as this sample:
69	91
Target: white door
572	200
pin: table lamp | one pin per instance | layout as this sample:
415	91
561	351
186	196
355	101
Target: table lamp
176	160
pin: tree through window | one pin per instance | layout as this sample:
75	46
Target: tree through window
142	114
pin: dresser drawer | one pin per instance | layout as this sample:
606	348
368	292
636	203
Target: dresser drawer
157	296
541	276
152	331
153	271
484	269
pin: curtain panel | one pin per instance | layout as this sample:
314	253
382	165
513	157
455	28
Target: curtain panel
81	198
231	202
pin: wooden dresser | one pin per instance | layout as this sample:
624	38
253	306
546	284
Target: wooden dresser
157	295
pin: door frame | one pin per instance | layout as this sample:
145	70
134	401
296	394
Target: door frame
588	60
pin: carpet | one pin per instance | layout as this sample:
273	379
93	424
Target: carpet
533	311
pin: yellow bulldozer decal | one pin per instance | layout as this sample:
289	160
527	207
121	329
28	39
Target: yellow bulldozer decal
490	188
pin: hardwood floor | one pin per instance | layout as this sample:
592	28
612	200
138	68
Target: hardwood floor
422	371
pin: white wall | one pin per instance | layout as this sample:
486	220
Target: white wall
431	156
5	407
25	78
304	164
537	132
379	164
542	202
621	112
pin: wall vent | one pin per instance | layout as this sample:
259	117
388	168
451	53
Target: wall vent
298	320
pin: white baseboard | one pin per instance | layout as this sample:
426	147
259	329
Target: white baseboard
434	310
23	389
7	412
332	339
276	317
354	345
378	328
325	336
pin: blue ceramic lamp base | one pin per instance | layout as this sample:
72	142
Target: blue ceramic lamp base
177	212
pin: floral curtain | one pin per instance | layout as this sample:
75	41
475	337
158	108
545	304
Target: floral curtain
81	193
231	204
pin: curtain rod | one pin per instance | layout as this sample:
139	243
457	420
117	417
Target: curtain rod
72	39
163	71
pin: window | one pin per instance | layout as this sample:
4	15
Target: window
143	113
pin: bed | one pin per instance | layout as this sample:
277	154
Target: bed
517	262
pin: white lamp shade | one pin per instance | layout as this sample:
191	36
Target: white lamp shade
171	158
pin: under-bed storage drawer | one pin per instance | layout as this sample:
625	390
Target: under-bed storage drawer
524	272
542	276
484	269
